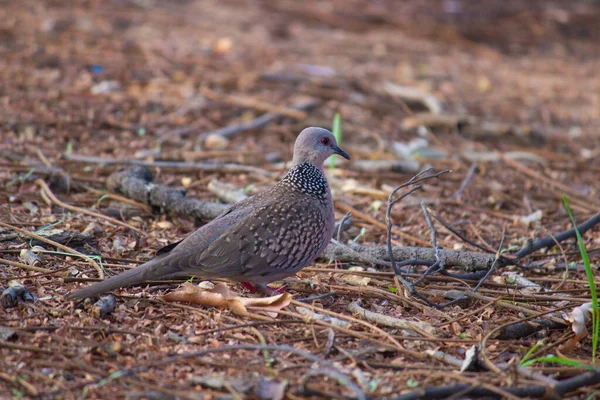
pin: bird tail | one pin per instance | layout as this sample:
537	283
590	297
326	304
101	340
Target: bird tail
144	272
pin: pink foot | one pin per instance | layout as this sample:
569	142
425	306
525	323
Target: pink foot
249	287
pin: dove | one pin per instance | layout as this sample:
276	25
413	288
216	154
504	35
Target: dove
263	238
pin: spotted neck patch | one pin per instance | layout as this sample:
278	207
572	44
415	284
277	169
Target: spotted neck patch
306	178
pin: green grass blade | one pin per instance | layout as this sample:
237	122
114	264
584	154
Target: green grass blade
337	133
530	352
559	360
590	276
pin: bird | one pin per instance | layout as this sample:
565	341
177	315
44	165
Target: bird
266	237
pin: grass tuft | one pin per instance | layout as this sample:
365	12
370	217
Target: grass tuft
337	133
590	276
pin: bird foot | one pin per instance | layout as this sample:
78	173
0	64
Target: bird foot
262	288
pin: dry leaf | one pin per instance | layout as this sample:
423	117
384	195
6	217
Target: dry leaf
221	296
578	319
355	280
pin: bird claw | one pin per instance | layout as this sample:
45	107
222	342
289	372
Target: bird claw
280	290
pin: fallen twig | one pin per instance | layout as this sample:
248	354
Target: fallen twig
58	202
588	202
465	260
523	371
252	103
465	182
376	166
414	95
226	192
191	166
259	122
24	266
386	320
549	241
559	390
58	245
360	215
127	372
136	183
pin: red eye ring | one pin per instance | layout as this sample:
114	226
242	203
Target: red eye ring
325	141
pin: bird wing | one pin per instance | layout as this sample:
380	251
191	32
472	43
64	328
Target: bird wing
273	238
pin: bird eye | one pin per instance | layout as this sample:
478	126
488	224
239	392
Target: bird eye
325	141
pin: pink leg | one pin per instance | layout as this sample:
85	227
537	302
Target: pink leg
262	288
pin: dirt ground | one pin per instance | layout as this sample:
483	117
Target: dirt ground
506	94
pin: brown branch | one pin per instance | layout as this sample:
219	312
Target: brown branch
136	183
468	261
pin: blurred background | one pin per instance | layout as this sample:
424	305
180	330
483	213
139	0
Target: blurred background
99	72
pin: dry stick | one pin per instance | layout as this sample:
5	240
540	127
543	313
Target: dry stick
15	380
415	180
493	267
14	346
82	365
118	198
469	314
283	348
566	273
345	219
375	292
559	390
42	157
252	103
475	382
524	371
483	354
589	203
548	241
256	123
55	244
397	345
25	266
464	183
439	264
533	246
422	328
208	167
347	208
248	325
468	261
454	232
58	202
232	130
353	333
47	163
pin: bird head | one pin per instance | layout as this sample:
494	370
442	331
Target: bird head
315	145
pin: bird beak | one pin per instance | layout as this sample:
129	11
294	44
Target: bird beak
339	151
